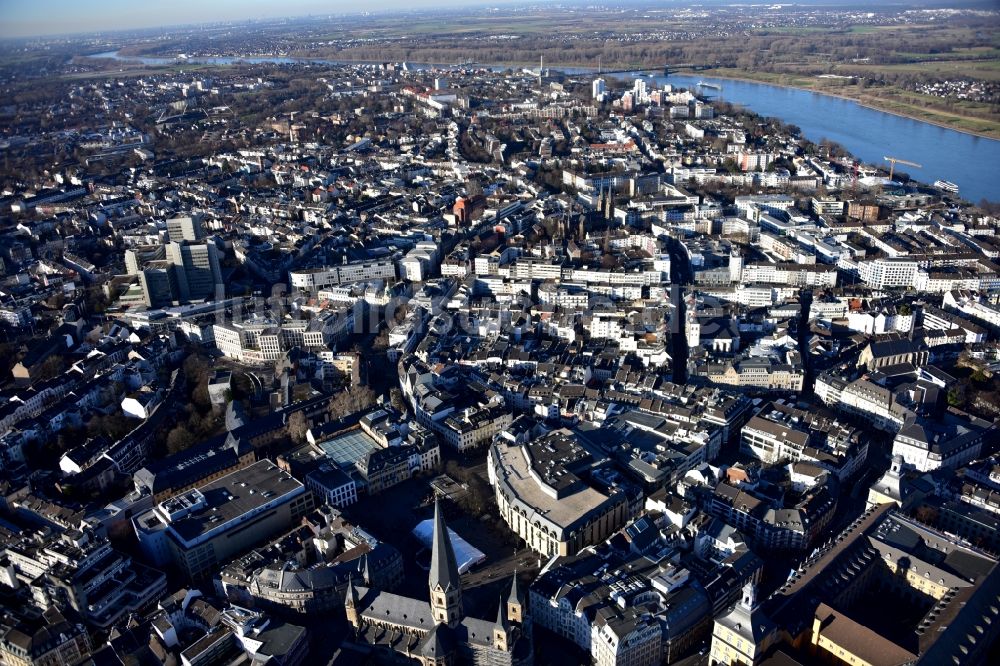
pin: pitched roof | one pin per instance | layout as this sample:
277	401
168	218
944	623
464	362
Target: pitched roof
515	592
444	566
860	640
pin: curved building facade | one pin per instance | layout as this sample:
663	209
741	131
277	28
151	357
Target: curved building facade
551	494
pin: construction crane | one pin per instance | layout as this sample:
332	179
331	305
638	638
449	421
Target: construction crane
894	160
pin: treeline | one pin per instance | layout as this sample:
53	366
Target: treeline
809	53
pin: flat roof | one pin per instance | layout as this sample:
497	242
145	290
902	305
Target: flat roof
234	496
514	472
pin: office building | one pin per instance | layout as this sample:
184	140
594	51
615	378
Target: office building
549	493
199	275
200	529
158	280
187	228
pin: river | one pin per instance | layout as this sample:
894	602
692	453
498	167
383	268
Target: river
971	162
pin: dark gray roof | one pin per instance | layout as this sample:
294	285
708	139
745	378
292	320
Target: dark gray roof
444	566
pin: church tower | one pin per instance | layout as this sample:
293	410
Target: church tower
366	573
351	603
444	581
744	633
501	630
515	603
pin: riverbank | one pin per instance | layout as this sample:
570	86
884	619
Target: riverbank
869	103
988	129
866	130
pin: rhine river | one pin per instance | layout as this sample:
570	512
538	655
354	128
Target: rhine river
969	161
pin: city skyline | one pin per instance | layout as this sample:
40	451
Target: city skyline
21	18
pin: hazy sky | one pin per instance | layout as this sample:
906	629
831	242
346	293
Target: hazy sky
19	18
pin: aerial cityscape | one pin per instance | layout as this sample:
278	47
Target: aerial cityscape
510	333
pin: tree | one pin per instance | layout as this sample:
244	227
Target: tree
397	400
926	514
297	427
196	368
351	400
197	371
113	426
51	367
381	341
179	439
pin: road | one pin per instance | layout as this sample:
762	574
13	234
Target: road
680	275
805	304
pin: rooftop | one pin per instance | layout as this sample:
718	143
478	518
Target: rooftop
209	510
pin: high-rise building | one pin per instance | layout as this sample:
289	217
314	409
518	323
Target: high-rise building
639	90
187	228
628	102
132	262
158	280
198	273
598	88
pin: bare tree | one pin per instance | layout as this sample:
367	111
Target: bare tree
397	400
179	439
297	427
351	400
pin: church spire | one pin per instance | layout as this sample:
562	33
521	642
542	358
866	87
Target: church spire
502	622
501	629
366	571
515	602
444	580
444	566
351	596
351	603
515	590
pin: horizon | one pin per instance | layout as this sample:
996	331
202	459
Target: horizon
26	19
23	19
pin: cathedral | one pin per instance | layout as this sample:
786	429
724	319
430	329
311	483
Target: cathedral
438	632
